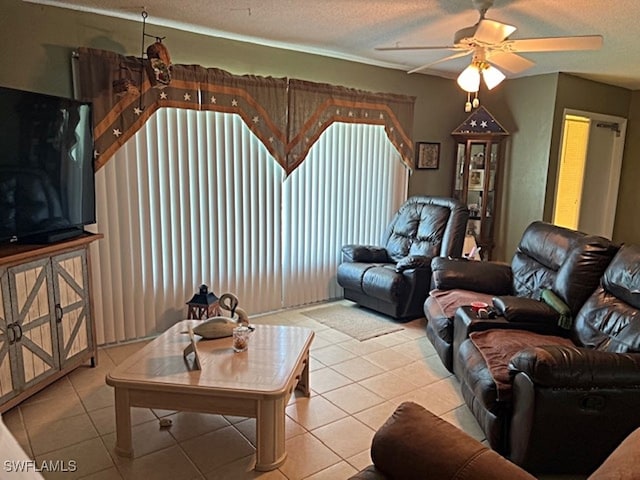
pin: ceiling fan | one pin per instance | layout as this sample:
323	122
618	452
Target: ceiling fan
488	41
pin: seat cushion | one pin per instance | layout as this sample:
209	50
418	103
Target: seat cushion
450	300
498	346
384	283
376	280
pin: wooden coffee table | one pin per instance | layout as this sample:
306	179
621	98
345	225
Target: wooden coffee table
256	383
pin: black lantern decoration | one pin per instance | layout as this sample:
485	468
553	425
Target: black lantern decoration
204	304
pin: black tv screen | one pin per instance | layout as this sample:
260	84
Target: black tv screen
47	187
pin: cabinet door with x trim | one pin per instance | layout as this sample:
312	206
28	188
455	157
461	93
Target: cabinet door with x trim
35	337
72	306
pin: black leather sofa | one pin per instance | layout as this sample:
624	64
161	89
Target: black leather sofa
548	257
394	278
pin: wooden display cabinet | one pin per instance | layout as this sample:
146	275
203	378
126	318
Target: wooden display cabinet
46	321
477	174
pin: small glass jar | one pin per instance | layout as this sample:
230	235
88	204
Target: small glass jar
241	338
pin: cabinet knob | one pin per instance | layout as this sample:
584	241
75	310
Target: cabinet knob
19	327
59	313
11	333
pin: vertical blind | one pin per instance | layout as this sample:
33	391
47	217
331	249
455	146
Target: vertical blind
194	197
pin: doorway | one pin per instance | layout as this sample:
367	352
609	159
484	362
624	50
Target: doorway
589	172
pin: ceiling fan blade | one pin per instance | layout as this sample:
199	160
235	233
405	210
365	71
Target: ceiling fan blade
417	47
554	44
510	62
450	57
492	32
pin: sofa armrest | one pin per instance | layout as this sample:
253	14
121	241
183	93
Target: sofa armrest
413	261
485	277
415	444
574	367
522	309
365	253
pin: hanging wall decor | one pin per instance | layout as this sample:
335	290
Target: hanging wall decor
158	67
159	64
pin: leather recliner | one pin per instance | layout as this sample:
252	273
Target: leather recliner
548	257
561	403
395	278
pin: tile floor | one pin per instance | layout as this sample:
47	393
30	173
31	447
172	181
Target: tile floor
355	387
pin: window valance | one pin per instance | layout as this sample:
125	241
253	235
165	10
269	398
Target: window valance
287	115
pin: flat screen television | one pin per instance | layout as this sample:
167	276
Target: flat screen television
47	186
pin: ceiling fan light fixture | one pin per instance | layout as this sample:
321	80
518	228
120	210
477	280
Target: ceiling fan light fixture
492	77
469	79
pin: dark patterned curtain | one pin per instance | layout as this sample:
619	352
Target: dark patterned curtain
287	115
313	107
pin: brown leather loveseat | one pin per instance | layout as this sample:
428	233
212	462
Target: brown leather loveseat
560	403
568	262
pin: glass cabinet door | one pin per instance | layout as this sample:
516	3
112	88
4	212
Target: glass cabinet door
474	185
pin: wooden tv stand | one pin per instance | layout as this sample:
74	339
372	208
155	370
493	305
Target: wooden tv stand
46	315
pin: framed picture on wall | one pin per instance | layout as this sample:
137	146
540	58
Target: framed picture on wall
427	155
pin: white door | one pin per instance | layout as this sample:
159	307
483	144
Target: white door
598	196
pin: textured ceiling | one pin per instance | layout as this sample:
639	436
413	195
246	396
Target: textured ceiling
351	29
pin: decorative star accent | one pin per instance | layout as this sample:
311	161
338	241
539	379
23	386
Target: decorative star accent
187	97
391	129
366	114
271	139
163	95
234	103
381	116
214	99
320	123
117	132
255	119
483	124
337	111
473	123
351	114
137	111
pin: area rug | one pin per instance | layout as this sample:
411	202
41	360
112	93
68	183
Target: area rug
356	322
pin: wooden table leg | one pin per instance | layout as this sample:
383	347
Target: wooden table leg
270	433
124	446
303	383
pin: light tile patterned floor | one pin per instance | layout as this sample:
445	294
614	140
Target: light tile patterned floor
355	387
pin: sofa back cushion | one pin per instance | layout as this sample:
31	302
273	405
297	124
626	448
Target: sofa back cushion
428	226
610	318
566	261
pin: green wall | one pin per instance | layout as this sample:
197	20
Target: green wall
524	107
627	225
38	42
